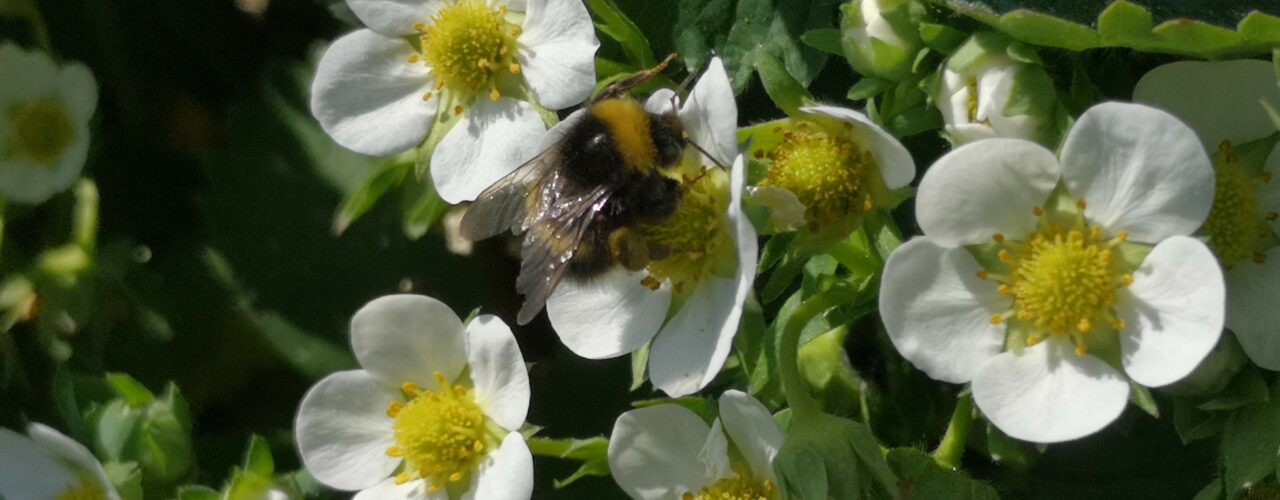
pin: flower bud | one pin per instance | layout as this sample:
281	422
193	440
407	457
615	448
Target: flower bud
985	92
153	432
881	37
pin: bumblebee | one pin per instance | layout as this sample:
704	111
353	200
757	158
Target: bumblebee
579	202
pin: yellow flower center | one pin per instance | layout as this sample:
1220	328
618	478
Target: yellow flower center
40	130
470	48
695	240
824	169
441	434
85	490
1236	226
1062	280
734	488
971	86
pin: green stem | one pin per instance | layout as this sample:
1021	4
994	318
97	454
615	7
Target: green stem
951	449
85	230
574	449
799	400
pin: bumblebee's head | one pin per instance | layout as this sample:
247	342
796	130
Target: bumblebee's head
669	138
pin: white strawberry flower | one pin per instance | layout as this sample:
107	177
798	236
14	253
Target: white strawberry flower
975	93
44	131
1221	102
1051	282
479	69
688	304
46	464
435	409
665	452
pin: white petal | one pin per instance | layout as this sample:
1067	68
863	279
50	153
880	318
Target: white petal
389	490
983	188
608	315
710	116
689	351
343	431
497	367
753	430
27	75
368	97
937	311
715	453
953	98
23	181
557	52
1173	312
1047	394
965	133
653	452
394	17
492	140
896	165
506	474
1253	311
30	471
1218	99
79	91
72	453
1139	169
662	101
408	338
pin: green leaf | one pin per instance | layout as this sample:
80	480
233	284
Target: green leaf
257	460
785	91
131	391
921	477
423	209
310	354
1212	491
825	39
1043	29
1141	397
1193	423
1125	21
198	492
1250	442
803	475
1245	389
868	87
868	451
941	38
385	176
1260	28
773	27
619	27
915	121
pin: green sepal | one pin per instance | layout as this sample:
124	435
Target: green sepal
1141	397
941	37
921	477
830	457
868	87
614	23
385	176
126	477
423	208
1250	441
1032	93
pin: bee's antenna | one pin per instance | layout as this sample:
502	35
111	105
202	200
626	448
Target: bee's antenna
708	155
622	86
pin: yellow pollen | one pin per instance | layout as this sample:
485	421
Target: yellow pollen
414	58
825	169
457	110
1037	211
1081	350
1236	225
442	434
1080	205
494	95
998	238
734	488
1062	282
40	131
983	275
468	44
695	239
971	104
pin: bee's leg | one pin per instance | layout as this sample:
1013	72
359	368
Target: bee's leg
620	87
629	249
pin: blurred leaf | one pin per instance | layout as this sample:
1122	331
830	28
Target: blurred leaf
126	477
920	477
1194	423
257	459
868	87
616	25
387	175
941	38
1250	443
1212	491
1008	451
824	39
131	391
424	209
197	492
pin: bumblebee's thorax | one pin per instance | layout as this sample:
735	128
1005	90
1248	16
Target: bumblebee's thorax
617	138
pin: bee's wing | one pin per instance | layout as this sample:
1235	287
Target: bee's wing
513	201
553	239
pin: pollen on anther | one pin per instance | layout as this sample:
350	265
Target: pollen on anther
1081	350
1037	211
1005	256
457	110
982	275
427	96
1259	258
1084	325
394	408
413	58
1128	279
1081	204
1118	324
997	319
1122	236
998	238
395	451
410	388
402	478
1032	340
494	95
455	477
1004	289
514	68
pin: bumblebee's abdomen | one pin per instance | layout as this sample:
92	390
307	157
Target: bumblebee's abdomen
628	124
